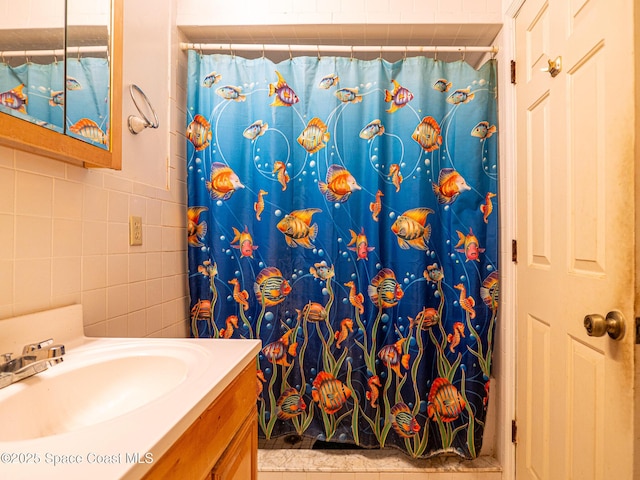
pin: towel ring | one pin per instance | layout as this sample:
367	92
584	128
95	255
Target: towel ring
137	124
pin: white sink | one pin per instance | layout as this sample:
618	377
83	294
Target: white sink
91	386
113	405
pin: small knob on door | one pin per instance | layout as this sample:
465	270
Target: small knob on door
597	325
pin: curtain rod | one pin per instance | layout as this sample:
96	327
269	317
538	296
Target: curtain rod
334	48
53	53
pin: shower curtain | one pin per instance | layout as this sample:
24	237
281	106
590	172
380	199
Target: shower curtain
34	92
345	213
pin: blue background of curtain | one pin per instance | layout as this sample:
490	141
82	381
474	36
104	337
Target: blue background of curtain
377	328
87	94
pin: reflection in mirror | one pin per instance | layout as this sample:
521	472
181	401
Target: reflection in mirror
87	76
91	76
32	61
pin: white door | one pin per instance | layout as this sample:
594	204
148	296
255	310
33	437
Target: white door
575	232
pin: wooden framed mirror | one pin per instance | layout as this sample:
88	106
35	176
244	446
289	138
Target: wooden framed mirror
29	134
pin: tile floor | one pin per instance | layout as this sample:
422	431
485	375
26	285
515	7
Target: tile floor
304	464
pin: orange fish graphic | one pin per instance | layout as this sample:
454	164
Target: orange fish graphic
255	130
373	393
315	136
471	248
376	207
290	404
199	132
231	323
403	421
211	79
385	291
467	303
329	81
346	326
412	229
442	85
89	129
433	273
312	312
195	231
340	184
487	208
240	296
444	400
349	95
230	92
201	310
15	99
297	228
245	242
399	97
356	299
483	130
276	352
322	271
427	134
391	356
57	98
485	400
224	182
489	291
455	337
270	287
283	177
426	318
259	382
372	129
329	392
258	206
450	185
395	175
361	243
284	95
208	269
460	96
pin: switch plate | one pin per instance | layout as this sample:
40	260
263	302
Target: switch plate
135	230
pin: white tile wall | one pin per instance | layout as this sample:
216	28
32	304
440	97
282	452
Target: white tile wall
64	239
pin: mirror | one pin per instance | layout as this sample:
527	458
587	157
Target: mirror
59	77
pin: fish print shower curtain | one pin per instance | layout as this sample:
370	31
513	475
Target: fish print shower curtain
35	92
345	213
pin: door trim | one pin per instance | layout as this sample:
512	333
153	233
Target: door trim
507	326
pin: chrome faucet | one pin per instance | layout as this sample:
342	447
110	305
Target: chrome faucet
35	358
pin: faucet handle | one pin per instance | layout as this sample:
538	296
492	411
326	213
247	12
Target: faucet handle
32	347
5	357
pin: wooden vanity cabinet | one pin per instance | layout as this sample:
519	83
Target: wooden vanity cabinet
222	444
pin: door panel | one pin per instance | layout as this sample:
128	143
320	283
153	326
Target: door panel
575	201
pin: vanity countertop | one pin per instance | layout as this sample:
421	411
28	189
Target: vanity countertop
49	439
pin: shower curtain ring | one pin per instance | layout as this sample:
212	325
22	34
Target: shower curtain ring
380	57
406	48
464	53
290	54
352	53
318	47
263	51
435	53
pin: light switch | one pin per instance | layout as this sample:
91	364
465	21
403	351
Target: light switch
135	230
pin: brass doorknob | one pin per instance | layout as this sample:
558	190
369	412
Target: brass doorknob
555	66
597	325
